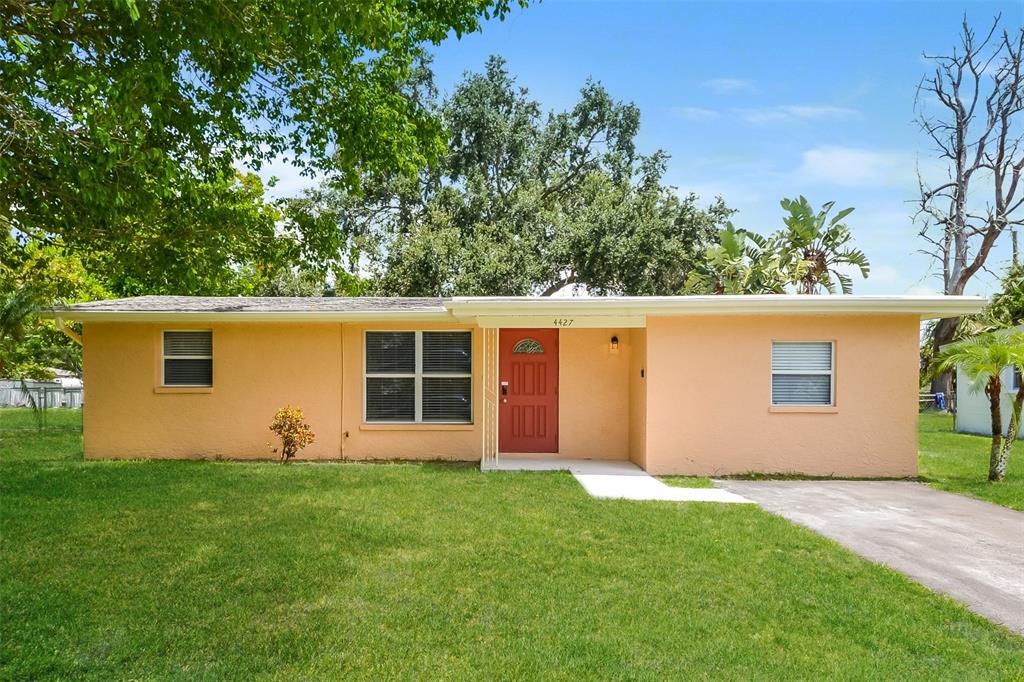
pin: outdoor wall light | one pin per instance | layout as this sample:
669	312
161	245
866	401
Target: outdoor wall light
615	343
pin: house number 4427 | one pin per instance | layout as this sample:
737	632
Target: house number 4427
563	321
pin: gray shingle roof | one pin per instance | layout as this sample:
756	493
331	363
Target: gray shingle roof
258	304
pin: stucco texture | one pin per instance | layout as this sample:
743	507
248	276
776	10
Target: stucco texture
593	394
702	406
257	369
709	387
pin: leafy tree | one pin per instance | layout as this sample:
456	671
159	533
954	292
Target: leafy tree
1007	306
32	276
807	255
520	203
196	243
292	282
819	247
741	262
1006	309
16	309
982	359
116	116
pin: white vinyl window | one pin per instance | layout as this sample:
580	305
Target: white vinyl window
419	377
188	358
802	373
1014	383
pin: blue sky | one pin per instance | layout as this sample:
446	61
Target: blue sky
756	101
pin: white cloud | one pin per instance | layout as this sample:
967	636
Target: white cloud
728	86
695	113
796	112
851	167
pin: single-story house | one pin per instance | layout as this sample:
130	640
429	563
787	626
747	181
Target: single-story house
973	414
821	385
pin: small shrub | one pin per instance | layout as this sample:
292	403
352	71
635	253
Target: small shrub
290	426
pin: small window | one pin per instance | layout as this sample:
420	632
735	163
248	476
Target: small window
528	346
188	358
419	377
1015	379
802	373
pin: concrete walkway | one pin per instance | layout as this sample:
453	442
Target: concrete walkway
617	479
970	550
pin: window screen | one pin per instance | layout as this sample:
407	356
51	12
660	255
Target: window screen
188	358
802	373
391	352
390	399
419	377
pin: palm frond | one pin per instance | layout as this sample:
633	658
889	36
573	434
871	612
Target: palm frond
845	282
15	310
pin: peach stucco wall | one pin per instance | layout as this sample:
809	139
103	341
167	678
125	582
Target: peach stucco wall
703	407
257	369
593	394
708	401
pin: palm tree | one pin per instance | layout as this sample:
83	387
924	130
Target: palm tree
741	262
821	245
16	308
982	359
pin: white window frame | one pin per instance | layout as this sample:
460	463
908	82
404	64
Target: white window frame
164	357
418	375
831	374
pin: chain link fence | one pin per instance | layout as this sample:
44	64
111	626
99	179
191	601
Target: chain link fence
37	405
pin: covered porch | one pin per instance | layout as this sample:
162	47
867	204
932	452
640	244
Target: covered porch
559	388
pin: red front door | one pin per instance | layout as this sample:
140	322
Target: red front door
528	390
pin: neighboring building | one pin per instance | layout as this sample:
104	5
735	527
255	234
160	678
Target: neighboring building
65	390
822	385
973	414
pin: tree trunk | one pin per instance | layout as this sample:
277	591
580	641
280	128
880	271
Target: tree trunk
996	461
561	284
1011	434
941	335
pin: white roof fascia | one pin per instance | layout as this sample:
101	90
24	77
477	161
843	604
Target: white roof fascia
259	316
926	307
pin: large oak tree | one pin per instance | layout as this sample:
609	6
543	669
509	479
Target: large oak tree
122	123
521	202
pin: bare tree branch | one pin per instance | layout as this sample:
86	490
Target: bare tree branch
978	90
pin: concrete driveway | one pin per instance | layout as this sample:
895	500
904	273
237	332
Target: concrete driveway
970	550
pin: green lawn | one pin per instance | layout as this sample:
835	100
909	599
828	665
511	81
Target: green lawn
959	463
214	570
688	481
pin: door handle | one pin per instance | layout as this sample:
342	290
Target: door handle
504	388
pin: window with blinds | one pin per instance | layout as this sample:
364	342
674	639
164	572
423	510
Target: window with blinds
802	373
419	377
188	358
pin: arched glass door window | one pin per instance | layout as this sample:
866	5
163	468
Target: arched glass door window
528	346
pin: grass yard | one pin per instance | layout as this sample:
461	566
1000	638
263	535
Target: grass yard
688	481
959	463
215	570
